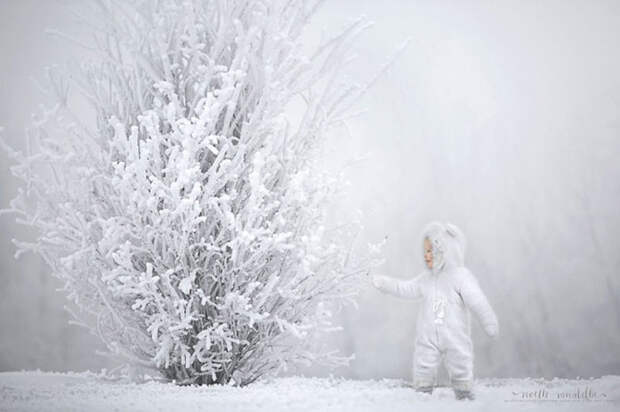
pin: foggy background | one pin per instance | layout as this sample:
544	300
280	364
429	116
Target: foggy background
501	117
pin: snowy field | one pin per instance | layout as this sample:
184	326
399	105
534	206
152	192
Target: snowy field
39	391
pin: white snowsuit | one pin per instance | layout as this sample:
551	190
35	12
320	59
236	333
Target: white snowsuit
448	291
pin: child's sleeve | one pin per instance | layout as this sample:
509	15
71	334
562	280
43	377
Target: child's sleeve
402	288
478	303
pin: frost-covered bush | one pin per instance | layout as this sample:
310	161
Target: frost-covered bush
187	220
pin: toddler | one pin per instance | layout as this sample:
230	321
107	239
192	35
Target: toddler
448	291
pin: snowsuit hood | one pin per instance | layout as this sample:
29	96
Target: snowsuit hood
448	245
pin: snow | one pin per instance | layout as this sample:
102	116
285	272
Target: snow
45	391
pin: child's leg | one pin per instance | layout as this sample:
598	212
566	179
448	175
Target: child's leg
460	365
426	359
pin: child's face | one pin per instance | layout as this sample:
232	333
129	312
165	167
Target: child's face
428	253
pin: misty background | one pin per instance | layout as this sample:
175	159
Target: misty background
501	117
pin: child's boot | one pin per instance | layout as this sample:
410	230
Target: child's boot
461	394
424	389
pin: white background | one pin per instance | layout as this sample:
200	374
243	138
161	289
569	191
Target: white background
502	117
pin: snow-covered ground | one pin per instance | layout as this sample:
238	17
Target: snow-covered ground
41	391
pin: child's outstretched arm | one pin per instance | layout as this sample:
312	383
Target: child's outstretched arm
402	288
478	303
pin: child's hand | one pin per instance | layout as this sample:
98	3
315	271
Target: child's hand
377	281
492	331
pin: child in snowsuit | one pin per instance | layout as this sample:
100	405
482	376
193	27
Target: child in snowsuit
448	291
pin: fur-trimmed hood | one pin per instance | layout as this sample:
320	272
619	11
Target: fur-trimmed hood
448	243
